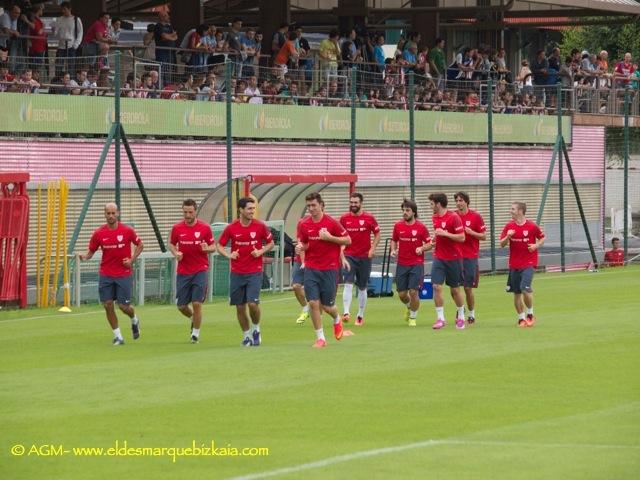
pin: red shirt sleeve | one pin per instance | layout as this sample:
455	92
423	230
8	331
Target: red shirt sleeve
226	235
133	236
173	238
375	228
394	235
338	230
94	244
302	235
267	235
209	238
457	224
539	232
427	237
504	231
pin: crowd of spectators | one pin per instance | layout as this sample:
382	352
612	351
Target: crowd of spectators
193	67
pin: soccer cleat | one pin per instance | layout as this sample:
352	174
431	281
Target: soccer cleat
460	323
346	317
359	321
257	338
522	323
302	318
117	341
135	329
407	315
247	342
320	343
337	330
471	321
438	325
412	322
194	339
530	320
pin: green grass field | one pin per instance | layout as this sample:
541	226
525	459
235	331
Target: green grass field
558	401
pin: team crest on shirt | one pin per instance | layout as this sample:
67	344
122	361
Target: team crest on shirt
414	232
253	234
444	224
119	237
525	233
197	234
361	222
467	223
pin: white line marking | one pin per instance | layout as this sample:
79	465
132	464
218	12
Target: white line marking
423	444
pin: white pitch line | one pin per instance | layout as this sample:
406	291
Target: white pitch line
412	446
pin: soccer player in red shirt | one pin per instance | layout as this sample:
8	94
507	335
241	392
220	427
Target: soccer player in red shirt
190	243
320	238
475	231
297	284
250	240
615	256
356	258
447	259
409	241
116	282
524	238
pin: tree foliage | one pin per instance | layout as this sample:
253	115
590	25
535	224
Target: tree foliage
615	39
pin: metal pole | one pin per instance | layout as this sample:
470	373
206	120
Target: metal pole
492	210
560	177
117	136
412	142
227	81
626	173
353	119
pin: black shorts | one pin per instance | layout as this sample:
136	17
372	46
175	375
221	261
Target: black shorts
191	288
447	271
409	277
359	272
115	288
297	274
520	280
244	288
470	272
321	285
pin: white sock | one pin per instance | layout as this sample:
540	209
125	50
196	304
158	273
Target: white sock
116	333
195	332
255	328
461	312
521	316
362	302
472	313
320	334
305	309
413	313
336	320
530	311
247	333
135	320
440	313
347	295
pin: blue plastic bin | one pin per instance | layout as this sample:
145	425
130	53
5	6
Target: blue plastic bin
426	292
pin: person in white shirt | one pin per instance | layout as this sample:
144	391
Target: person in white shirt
252	91
68	30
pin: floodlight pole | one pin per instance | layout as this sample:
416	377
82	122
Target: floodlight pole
560	177
227	81
412	142
492	210
353	119
626	173
118	133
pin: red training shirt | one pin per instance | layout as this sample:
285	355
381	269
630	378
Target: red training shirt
360	228
409	237
445	248
116	246
187	240
245	239
471	246
526	234
614	258
320	254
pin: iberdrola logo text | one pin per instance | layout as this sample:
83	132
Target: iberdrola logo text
262	120
389	126
49	115
542	130
327	124
128	118
193	119
448	128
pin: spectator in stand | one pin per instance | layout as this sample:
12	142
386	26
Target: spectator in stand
501	65
286	53
410	56
437	62
349	51
26	83
198	60
166	39
378	52
540	69
233	42
279	38
68	31
329	54
115	30
615	256
6	79
9	27
219	50
525	77
252	91
304	60
149	43
248	46
38	42
604	74
554	66
472	101
566	73
97	40
624	71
